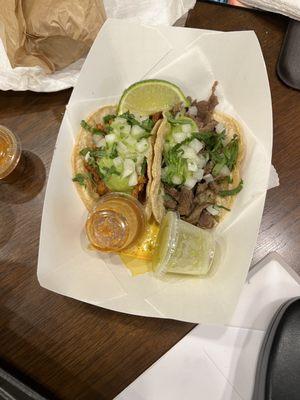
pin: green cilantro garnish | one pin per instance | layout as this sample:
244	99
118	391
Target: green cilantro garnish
232	192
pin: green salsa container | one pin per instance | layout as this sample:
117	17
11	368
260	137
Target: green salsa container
182	248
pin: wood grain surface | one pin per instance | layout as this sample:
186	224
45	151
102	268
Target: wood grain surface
78	351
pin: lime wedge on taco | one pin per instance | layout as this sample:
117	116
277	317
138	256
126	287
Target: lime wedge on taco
151	96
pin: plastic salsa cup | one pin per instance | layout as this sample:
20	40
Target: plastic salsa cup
10	152
182	248
116	222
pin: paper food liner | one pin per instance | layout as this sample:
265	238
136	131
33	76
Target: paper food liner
49	33
243	92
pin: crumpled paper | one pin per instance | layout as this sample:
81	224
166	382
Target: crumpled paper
290	8
36	78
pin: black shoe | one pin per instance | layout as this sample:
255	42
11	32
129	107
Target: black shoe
278	367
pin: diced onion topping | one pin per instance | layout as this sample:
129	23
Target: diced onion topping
225	171
179	137
129	167
99	140
137	131
190	183
133	179
117	162
220	127
110	138
142	145
213	210
87	156
196	145
198	174
192	166
177	180
186	128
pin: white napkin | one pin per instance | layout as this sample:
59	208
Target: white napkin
150	12
215	362
291	8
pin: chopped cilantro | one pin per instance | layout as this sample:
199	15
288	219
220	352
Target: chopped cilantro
91	129
80	178
232	192
108	118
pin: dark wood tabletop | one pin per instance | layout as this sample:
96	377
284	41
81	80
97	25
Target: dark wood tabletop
78	351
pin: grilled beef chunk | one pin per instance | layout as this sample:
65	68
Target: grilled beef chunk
208	167
155	117
214	187
172	192
185	201
206	220
194	217
170	204
205	197
205	108
201	187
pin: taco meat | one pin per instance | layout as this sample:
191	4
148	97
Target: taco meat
196	164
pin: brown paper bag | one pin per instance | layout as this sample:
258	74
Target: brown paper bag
49	33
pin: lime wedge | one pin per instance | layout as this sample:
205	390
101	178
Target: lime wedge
151	96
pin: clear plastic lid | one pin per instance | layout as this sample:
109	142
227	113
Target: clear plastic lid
182	248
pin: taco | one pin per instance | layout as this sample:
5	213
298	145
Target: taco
197	161
113	153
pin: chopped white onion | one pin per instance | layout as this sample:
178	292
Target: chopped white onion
186	128
117	162
87	156
122	148
193	110
129	167
125	130
130	140
189	152
198	174
133	179
110	138
208	178
142	145
190	183
225	171
213	210
120	121
196	145
136	131
220	127
192	166
176	180
99	140
179	137
201	161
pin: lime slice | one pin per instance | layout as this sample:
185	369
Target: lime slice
151	96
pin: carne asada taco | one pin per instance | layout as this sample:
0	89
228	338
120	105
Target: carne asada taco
113	153
196	165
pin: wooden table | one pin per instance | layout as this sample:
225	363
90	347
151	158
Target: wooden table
78	351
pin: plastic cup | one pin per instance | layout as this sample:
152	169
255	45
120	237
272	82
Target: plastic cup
10	152
117	221
182	248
